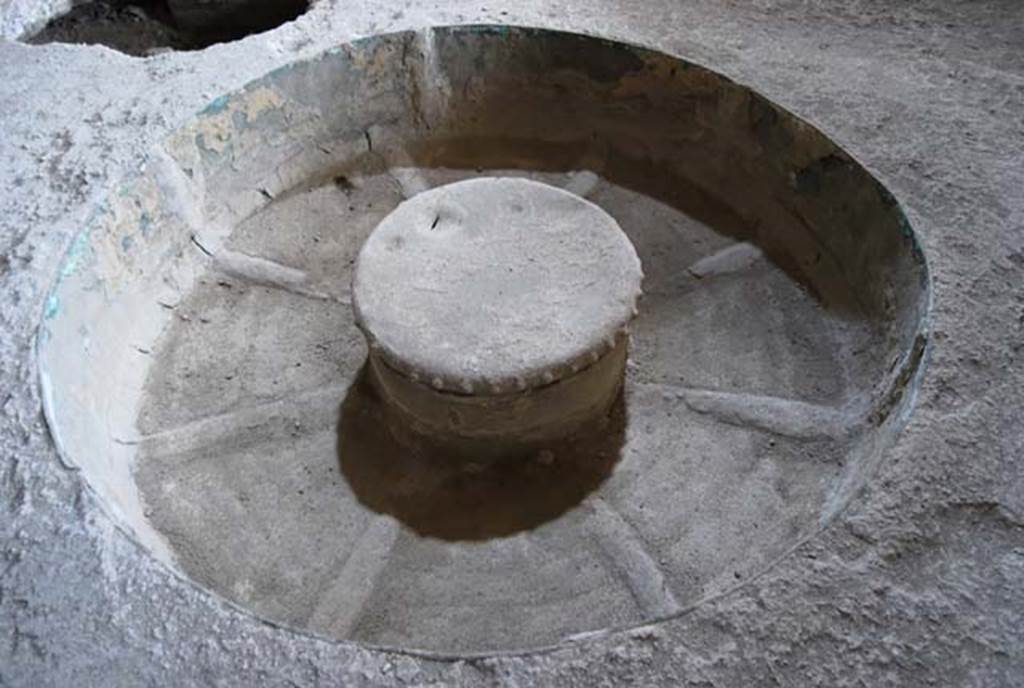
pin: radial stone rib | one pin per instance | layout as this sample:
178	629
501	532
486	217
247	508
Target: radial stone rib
409	180
629	558
582	183
403	169
733	258
341	605
209	431
776	415
268	273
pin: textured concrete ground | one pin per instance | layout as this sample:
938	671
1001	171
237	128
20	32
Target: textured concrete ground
920	582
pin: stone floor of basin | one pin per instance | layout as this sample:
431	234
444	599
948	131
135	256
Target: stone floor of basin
263	466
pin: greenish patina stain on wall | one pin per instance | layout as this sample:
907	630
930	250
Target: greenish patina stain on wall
216	105
79	248
52	307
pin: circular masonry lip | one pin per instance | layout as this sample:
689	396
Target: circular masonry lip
493	286
731	204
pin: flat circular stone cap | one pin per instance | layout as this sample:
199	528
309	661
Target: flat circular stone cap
493	285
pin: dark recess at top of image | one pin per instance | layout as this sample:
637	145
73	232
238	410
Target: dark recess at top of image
148	27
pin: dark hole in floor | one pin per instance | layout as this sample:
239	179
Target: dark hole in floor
148	27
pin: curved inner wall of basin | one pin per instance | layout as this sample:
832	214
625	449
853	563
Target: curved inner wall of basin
408	106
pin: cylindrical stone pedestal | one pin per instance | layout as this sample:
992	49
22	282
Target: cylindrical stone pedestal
497	313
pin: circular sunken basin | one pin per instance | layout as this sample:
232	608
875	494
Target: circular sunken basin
201	363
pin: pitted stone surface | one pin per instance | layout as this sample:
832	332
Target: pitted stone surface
495	285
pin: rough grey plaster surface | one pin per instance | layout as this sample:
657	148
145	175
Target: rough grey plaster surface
920	582
19	18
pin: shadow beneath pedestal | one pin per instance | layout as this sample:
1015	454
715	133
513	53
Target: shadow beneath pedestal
437	495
